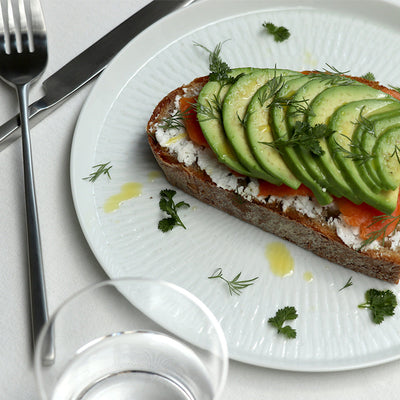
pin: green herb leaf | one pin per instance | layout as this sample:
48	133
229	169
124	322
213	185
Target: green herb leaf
280	33
219	69
355	152
333	77
382	303
102	169
283	315
235	285
366	124
347	284
304	135
396	153
176	120
381	233
168	205
369	76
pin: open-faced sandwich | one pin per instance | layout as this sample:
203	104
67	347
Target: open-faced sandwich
312	157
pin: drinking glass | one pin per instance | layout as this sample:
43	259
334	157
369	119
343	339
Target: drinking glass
132	338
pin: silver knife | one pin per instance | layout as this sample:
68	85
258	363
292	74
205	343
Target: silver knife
87	65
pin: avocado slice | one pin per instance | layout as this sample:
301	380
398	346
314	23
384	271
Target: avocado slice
381	122
209	116
259	132
278	121
387	159
233	113
323	106
298	111
341	147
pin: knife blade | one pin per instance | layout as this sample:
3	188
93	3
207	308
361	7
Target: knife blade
88	65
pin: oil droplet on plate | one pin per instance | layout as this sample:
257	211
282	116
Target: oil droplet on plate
281	262
153	175
128	191
308	276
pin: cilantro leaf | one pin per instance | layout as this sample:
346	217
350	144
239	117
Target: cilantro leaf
168	205
280	33
381	303
282	315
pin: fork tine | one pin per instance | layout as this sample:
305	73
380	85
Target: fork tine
3	38
13	43
38	25
23	27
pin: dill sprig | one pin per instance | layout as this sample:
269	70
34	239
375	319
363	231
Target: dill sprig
175	120
102	169
364	123
270	89
381	233
347	284
369	76
333	77
219	69
355	152
305	136
396	153
211	110
235	285
300	106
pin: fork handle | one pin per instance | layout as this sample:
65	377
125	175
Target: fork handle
38	302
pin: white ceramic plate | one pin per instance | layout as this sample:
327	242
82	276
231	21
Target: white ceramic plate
332	332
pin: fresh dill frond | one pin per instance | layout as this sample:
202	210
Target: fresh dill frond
396	88
381	233
300	106
219	69
369	76
333	76
364	123
396	153
355	152
305	136
347	284
280	33
211	110
175	120
235	285
102	169
270	89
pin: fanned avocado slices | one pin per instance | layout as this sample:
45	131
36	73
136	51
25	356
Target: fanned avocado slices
336	136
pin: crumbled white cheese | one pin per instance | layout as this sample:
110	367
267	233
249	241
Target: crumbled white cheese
395	240
351	235
303	204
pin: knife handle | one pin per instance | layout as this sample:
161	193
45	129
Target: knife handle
11	130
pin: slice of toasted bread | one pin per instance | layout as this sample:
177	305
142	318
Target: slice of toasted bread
316	232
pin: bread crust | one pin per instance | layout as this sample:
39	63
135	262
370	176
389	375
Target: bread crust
313	234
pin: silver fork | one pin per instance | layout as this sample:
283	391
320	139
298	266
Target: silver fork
23	57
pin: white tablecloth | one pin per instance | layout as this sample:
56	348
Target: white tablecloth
69	264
